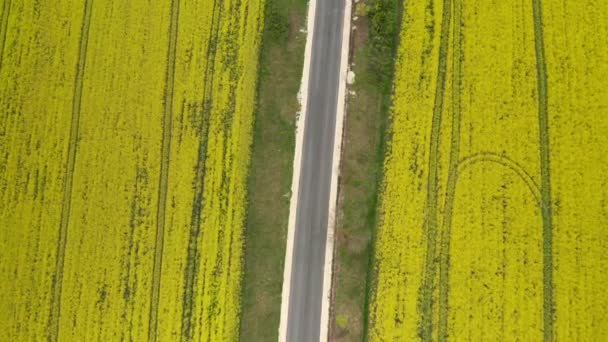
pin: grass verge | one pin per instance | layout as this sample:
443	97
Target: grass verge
281	61
373	51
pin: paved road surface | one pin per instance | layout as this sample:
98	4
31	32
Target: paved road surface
304	317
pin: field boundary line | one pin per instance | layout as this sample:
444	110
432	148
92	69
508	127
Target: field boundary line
6	11
295	182
69	175
335	173
446	227
164	172
192	262
545	171
428	283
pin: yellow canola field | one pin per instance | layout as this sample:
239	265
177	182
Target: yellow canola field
494	201
125	134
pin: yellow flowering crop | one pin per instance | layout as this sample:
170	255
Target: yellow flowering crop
495	197
125	134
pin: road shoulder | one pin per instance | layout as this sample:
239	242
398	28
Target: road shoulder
374	40
271	169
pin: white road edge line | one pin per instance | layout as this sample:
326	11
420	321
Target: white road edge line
295	182
335	174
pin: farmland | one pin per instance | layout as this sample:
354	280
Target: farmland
494	200
125	134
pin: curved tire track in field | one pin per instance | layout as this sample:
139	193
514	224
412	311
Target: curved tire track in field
545	171
6	11
461	166
425	297
508	163
444	252
164	172
541	194
69	175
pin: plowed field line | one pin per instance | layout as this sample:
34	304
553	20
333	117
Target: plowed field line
69	175
545	171
164	171
444	253
6	10
193	257
428	284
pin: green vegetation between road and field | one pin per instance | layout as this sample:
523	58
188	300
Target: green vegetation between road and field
281	62
373	48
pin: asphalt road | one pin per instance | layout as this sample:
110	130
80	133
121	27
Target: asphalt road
304	315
